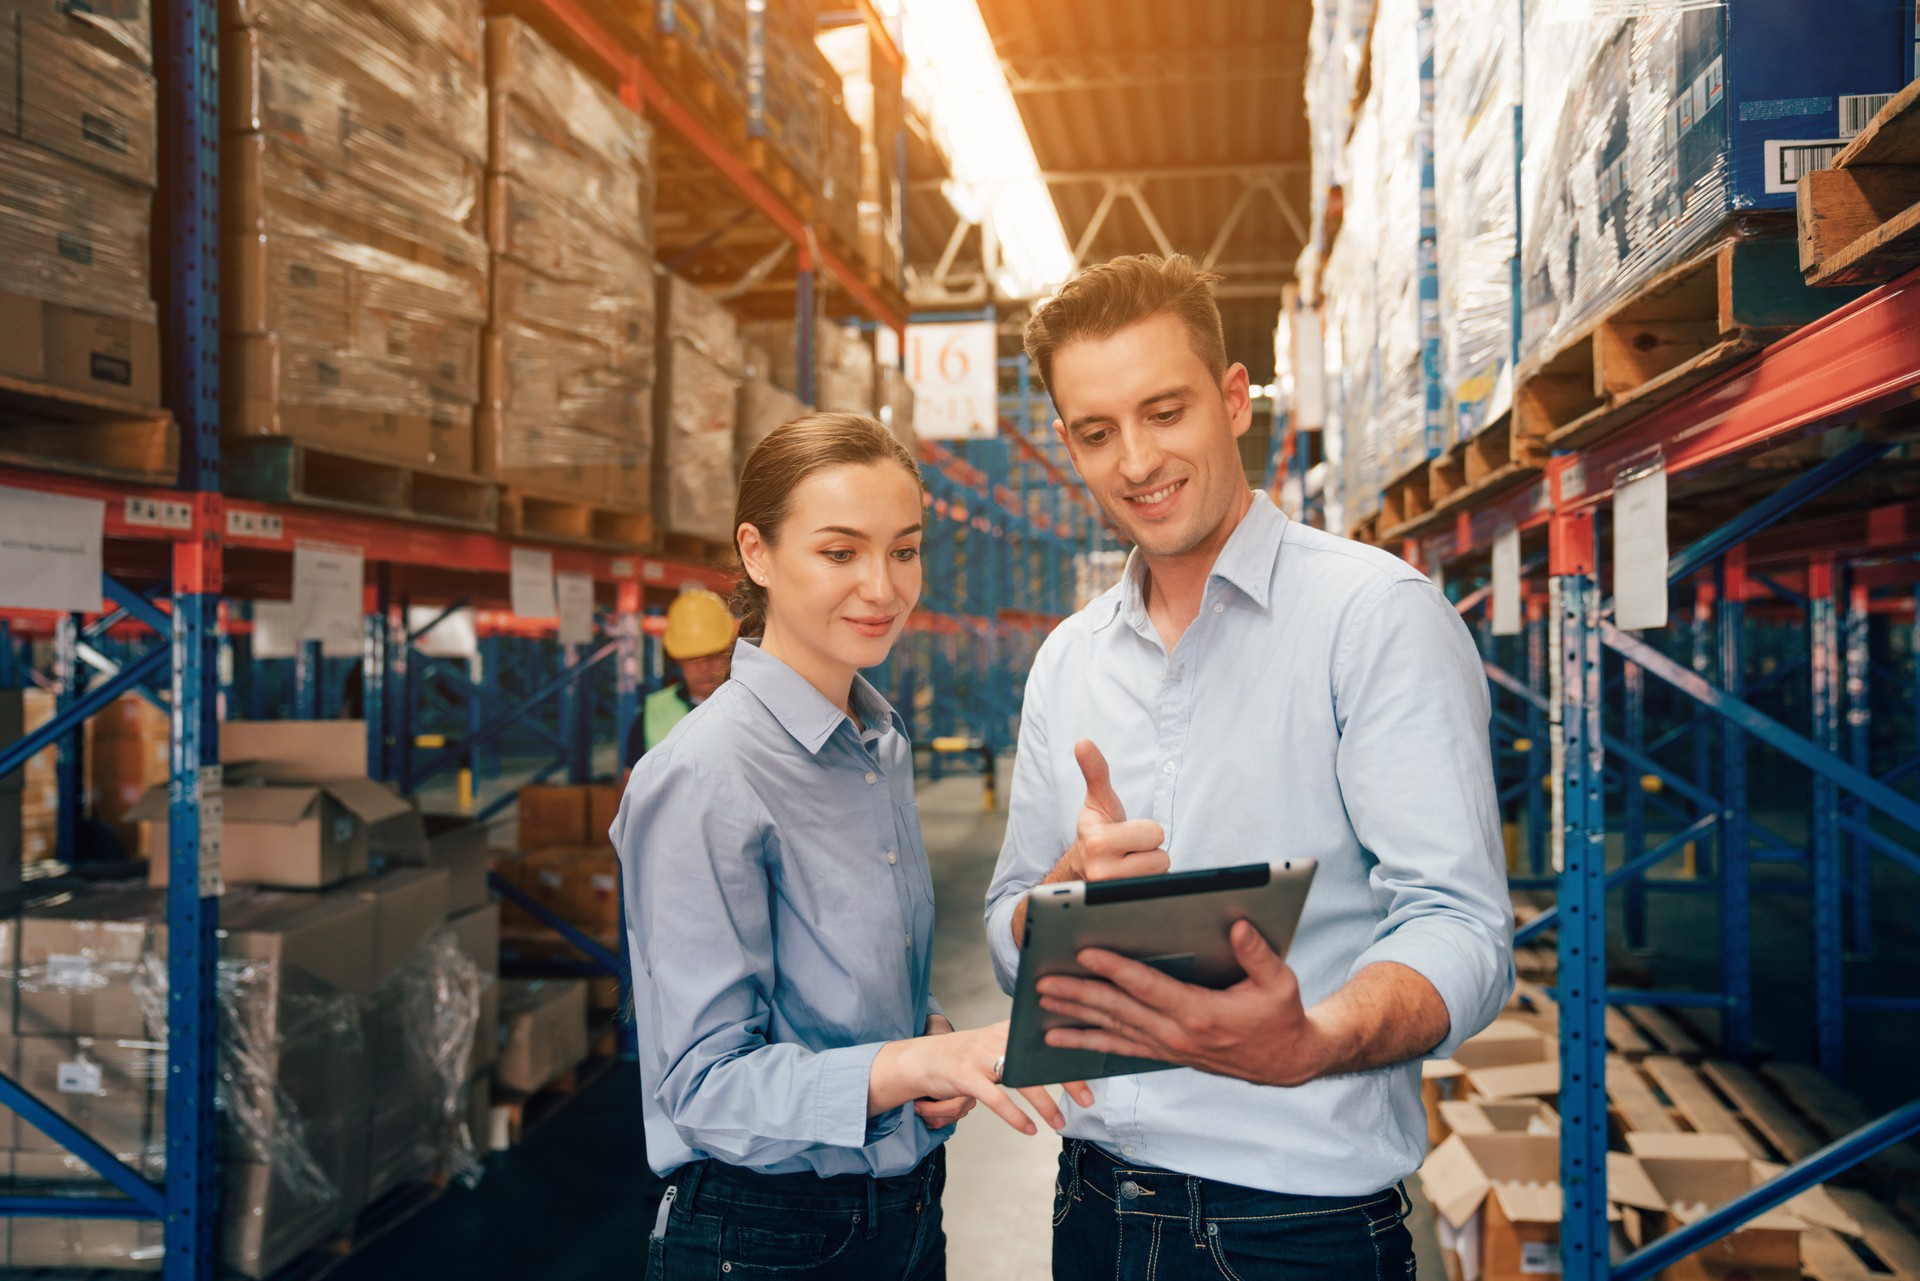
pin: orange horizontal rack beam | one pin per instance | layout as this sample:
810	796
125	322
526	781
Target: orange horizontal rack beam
151	513
642	90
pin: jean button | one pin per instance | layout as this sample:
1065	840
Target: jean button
1129	1189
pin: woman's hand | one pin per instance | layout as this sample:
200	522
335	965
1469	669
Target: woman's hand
960	1065
938	1114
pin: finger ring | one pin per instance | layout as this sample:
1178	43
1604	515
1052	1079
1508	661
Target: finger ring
999	1066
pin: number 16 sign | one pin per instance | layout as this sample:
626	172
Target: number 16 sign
953	368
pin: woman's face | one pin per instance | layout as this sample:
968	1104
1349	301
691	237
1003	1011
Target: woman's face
846	570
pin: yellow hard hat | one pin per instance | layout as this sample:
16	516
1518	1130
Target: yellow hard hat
698	624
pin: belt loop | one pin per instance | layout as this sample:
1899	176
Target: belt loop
873	1207
1076	1152
1196	1211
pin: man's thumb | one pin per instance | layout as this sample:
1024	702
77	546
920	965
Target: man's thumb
1262	964
1100	793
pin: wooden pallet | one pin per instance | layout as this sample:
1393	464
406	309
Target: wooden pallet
583	521
51	428
1681	328
764	158
1859	221
703	551
286	471
526	1113
1469	474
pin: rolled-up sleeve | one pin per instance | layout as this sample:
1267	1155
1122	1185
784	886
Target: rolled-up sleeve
699	906
1416	774
1032	843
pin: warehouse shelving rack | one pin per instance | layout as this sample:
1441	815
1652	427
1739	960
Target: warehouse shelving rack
1838	374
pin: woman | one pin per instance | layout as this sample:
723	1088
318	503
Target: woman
780	906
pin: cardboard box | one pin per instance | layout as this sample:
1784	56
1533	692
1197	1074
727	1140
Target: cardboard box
78	955
603	806
579	883
480	1112
90	351
297	750
1672	1179
1497	1204
552	816
1510	1058
298	835
114	1090
463	855
123	1245
543	1031
486	1031
268	1223
1506	1116
409	903
79	101
477	930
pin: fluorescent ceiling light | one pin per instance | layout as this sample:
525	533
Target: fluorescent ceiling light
948	49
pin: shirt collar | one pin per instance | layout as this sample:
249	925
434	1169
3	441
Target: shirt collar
1246	562
802	710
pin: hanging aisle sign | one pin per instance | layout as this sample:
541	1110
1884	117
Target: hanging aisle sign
575	603
1640	547
530	584
50	551
328	596
1506	582
953	367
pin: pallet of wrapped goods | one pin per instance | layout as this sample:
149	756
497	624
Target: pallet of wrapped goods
844	378
1352	327
895	396
871	92
784	122
704	50
80	370
1663	145
763	407
354	282
838	207
701	367
566	417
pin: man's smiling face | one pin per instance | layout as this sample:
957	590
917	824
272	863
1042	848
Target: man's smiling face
1153	433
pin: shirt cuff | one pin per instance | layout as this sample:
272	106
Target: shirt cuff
840	1102
1000	944
934	1007
1461	973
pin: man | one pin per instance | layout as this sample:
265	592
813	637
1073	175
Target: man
1251	690
699	639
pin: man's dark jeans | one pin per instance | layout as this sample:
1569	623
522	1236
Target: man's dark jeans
1118	1222
724	1222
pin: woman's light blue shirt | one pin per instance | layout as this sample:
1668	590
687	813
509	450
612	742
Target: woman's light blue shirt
780	919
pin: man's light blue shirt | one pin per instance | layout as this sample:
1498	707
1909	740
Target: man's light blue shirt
780	920
1326	703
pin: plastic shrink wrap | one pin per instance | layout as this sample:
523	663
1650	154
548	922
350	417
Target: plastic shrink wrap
1399	393
701	369
1476	100
1653	127
1348	286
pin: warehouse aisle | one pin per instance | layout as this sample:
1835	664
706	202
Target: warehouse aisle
575	1201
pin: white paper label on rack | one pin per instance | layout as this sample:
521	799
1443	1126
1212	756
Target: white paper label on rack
1506	582
213	808
653	571
273	629
622	567
453	636
66	971
575	599
328	595
1640	551
158	513
50	551
78	1078
531	584
262	525
1540	1258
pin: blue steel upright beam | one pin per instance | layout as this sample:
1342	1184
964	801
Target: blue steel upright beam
307	666
803	327
70	760
1582	900
1736	855
1634	804
1859	714
1829	999
1539	750
1703	657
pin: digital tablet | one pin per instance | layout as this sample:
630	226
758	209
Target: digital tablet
1178	923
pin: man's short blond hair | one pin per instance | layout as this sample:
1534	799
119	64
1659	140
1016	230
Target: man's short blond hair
1107	297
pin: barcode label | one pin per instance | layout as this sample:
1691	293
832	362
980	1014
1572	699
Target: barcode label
78	1078
602	883
1539	1258
69	971
1857	110
1788	161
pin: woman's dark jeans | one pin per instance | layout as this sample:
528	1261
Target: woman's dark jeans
721	1222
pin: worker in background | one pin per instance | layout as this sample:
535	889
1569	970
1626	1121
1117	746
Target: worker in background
800	1081
699	639
1251	689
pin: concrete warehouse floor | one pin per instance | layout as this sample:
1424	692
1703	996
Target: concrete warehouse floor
576	1200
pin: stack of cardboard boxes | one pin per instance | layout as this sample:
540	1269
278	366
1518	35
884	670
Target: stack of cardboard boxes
354	280
77	171
1493	1172
127	746
568	866
894	395
566	404
871	93
764	404
845	379
359	1014
711	35
38	782
702	366
13	719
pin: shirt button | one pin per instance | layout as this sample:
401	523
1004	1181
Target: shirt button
909	938
1219	607
1127	1150
872	777
1167	768
892	858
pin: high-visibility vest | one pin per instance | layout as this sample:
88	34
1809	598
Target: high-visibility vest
663	709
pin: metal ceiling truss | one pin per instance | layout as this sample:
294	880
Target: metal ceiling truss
1136	69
